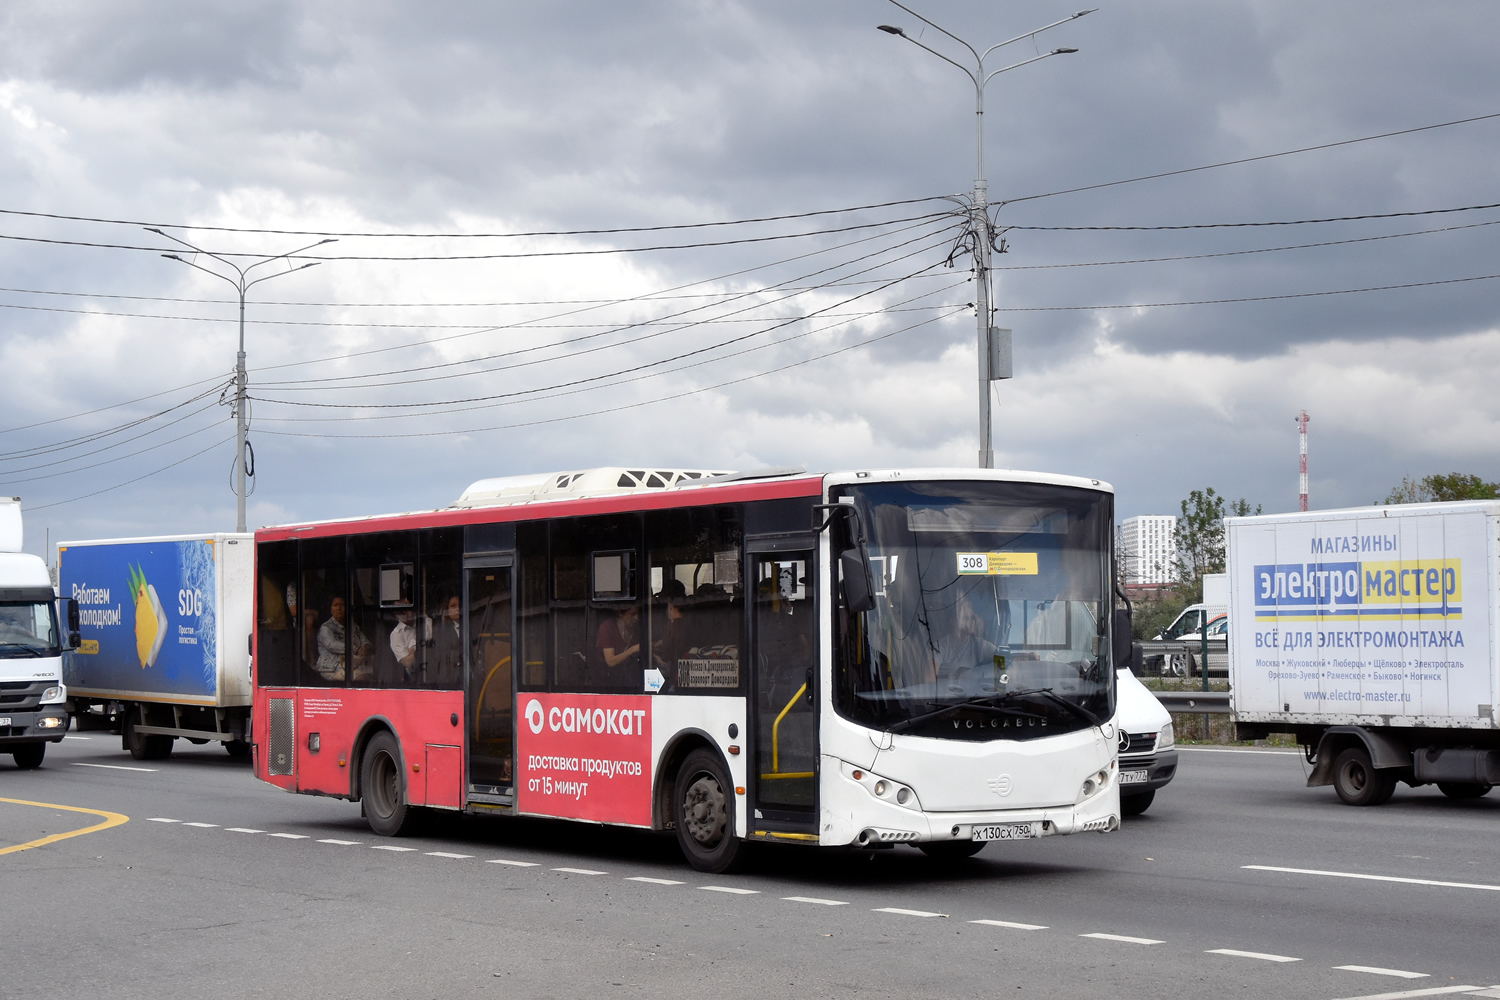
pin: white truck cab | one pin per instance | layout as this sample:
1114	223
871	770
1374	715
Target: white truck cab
33	700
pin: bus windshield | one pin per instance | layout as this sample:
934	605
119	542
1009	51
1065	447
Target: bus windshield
27	628
991	610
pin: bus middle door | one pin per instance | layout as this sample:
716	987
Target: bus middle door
488	704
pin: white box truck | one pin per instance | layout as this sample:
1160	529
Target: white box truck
33	700
1370	634
164	627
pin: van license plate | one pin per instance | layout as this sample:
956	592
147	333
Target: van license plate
1133	777
4	720
1006	831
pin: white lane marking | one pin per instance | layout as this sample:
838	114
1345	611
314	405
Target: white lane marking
205	826
1376	970
516	864
1122	937
1268	753
907	913
77	737
379	847
1403	994
445	854
1011	924
1263	956
290	836
117	767
580	871
1374	878
162	819
342	843
815	900
730	888
653	881
241	829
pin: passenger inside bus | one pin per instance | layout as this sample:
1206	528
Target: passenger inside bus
446	662
966	649
333	641
619	644
671	632
404	641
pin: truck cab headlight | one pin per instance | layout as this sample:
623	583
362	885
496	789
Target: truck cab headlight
1166	738
55	695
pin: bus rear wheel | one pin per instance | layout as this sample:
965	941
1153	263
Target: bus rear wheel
703	811
383	789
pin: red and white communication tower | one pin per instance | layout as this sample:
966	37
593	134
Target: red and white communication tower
1302	419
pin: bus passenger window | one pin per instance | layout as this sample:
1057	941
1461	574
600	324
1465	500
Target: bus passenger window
696	601
276	614
323	604
440	652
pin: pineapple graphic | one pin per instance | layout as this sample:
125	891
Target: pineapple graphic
150	619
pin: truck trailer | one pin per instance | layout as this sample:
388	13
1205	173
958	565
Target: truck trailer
164	650
33	700
1370	635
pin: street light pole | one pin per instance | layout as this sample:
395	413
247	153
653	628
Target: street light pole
979	200
242	283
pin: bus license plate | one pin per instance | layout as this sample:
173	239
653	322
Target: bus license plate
1006	831
1133	777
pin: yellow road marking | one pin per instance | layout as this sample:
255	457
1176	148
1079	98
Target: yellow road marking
110	819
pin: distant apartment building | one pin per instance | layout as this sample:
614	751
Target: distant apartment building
1148	548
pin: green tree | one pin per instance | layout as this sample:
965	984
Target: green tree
1453	486
1200	535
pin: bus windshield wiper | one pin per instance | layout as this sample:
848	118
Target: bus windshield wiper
1058	699
977	704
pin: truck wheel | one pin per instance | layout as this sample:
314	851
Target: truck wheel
951	850
143	747
237	748
1137	802
1455	790
703	803
1357	781
29	756
382	787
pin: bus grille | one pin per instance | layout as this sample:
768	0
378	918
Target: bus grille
283	741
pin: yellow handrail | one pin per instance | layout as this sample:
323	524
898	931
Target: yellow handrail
776	730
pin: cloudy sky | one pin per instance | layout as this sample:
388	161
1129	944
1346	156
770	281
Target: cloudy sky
834	336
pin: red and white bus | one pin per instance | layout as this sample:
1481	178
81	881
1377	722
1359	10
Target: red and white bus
863	658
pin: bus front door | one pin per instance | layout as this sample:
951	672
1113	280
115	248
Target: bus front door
784	682
487	686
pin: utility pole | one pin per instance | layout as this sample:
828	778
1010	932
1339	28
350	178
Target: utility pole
991	343
242	283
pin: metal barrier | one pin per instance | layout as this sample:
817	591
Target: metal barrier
1204	702
1189	655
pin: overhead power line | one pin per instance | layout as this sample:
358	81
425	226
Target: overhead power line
128	482
1250	298
1249	225
1246	159
514	235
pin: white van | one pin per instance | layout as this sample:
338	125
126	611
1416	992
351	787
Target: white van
1148	754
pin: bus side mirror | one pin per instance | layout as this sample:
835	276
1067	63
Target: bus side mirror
1124	636
859	587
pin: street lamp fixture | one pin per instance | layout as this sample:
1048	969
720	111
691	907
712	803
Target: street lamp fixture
979	207
242	283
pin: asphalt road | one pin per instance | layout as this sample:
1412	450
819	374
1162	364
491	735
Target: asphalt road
279	895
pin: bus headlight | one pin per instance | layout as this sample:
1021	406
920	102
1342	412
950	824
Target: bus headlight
55	695
1092	784
1166	738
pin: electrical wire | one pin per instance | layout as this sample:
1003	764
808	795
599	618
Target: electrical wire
415	235
1241	253
1251	298
110	461
1245	225
146	433
630	406
100	435
1246	159
129	482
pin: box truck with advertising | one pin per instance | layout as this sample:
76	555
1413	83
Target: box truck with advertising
1369	634
164	649
33	701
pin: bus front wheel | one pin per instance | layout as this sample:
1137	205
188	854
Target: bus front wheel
703	810
383	789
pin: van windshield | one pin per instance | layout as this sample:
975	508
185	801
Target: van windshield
991	607
28	628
